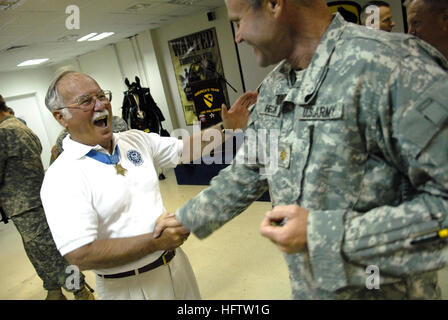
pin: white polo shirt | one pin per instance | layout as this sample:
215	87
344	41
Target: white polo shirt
86	200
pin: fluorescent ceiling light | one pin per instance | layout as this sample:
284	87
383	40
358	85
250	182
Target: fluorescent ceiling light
101	36
31	62
87	36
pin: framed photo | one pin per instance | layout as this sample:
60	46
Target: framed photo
195	58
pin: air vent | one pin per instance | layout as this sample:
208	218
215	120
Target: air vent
68	38
183	2
10	4
138	7
15	48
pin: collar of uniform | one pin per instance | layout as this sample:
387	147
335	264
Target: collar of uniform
316	71
6	118
78	150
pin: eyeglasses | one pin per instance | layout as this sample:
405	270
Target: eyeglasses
87	102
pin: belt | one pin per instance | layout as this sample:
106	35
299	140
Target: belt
164	259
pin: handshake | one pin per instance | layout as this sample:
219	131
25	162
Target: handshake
285	226
169	231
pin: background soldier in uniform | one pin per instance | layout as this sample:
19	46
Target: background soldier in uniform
385	23
428	20
21	175
362	176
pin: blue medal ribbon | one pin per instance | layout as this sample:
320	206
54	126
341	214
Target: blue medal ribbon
105	158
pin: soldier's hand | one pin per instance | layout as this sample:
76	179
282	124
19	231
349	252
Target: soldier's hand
163	216
238	115
286	227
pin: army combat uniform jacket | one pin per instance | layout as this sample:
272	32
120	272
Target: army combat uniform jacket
21	170
362	144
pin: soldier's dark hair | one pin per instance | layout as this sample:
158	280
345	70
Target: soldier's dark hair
3	106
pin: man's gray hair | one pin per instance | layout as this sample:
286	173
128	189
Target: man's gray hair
53	99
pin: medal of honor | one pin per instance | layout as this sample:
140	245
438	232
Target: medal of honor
120	169
107	159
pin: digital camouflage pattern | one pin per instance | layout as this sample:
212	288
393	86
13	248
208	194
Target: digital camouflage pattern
363	146
40	248
21	176
21	170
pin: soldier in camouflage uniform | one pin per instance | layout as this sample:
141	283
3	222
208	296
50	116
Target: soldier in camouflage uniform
362	156
118	125
428	20
21	175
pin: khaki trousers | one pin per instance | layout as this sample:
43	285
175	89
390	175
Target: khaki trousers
175	281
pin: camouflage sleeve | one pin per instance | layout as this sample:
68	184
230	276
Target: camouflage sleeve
2	158
414	127
229	194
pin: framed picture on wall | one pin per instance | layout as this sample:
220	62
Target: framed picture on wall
195	58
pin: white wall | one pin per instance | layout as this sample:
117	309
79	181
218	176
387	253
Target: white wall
102	65
32	81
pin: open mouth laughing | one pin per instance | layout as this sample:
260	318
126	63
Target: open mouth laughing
101	119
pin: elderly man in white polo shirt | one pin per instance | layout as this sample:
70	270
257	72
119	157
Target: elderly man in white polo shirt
102	198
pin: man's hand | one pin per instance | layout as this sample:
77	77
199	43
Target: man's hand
238	115
167	220
286	227
169	232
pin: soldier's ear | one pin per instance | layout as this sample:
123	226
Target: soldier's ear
60	117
